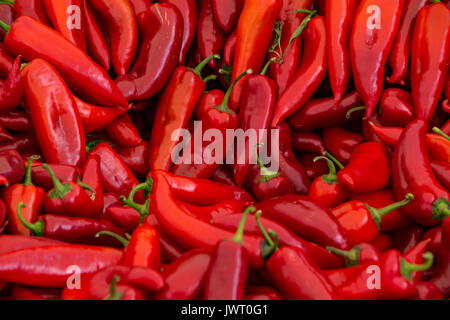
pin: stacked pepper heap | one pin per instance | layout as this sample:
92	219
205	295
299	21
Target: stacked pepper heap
94	206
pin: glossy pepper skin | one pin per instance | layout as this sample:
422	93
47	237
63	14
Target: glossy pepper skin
430	49
369	169
407	238
412	173
396	107
358	255
87	258
401	48
158	55
31	195
441	275
17	120
339	22
92	177
50	102
309	76
6	62
174	110
308	142
122	31
140	6
374	29
82	74
42	178
306	218
254	33
12	167
341	142
67	17
136	158
11	90
10	242
123	132
32	8
441	170
227	13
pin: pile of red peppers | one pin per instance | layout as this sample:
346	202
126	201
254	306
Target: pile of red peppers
93	207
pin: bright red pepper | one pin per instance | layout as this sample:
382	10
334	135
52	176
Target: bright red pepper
11	90
32	8
428	291
123	132
49	101
136	158
9	242
338	277
341	142
374	29
42	178
140	6
159	52
358	255
17	120
308	142
227	13
91	176
441	275
6	62
310	74
382	242
430	58
12	168
396	107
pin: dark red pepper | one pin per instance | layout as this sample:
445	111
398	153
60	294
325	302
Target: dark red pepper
407	238
341	142
227	13
12	168
11	90
396	107
441	274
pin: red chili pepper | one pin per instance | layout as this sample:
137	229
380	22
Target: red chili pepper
261	293
223	175
406	238
9	242
184	278
312	169
6	62
96	44
49	100
288	46
339	22
341	142
358	255
22	293
91	176
382	242
174	110
17	120
26	193
308	142
11	90
28	266
227	274
71	27
306	218
32	8
310	74
122	31
254	32
42	178
159	52
325	189
361	222
412	172
123	132
228	50
227	13
140	6
12	168
430	57
338	277
396	107
441	170
374	29
427	291
380	199
81	73
369	169
442	271
136	158
24	143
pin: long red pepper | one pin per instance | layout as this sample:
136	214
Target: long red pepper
254	33
310	74
72	27
11	90
17	120
374	29
53	111
339	22
6	62
227	13
227	274
158	55
174	110
84	76
412	173
32	8
430	58
10	242
401	48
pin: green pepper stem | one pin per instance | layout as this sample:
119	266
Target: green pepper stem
331	177
28	181
351	256
267	65
441	133
113	293
441	209
241	228
91	145
10	2
266	174
224	106
210	78
4	26
121	239
407	269
87	187
378	214
349	113
142	209
263	230
336	161
198	70
37	228
268	246
59	189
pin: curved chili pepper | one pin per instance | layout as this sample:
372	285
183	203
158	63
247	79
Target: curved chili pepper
318	113
401	48
380	199
199	234
122	31
42	178
32	8
174	110
140	6
359	254
136	158
412	173
326	190
289	48
369	169
96	44
226	13
17	120
11	90
26	193
27	266
227	274
254	32
12	168
308	142
430	58
91	176
261	293
49	100
441	170
229	49
427	291
339	21
360	222
338	277
374	30
396	107
306	218
6	62
184	278
310	74
58	13
159	54
123	132
341	142
9	242
81	73
407	238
